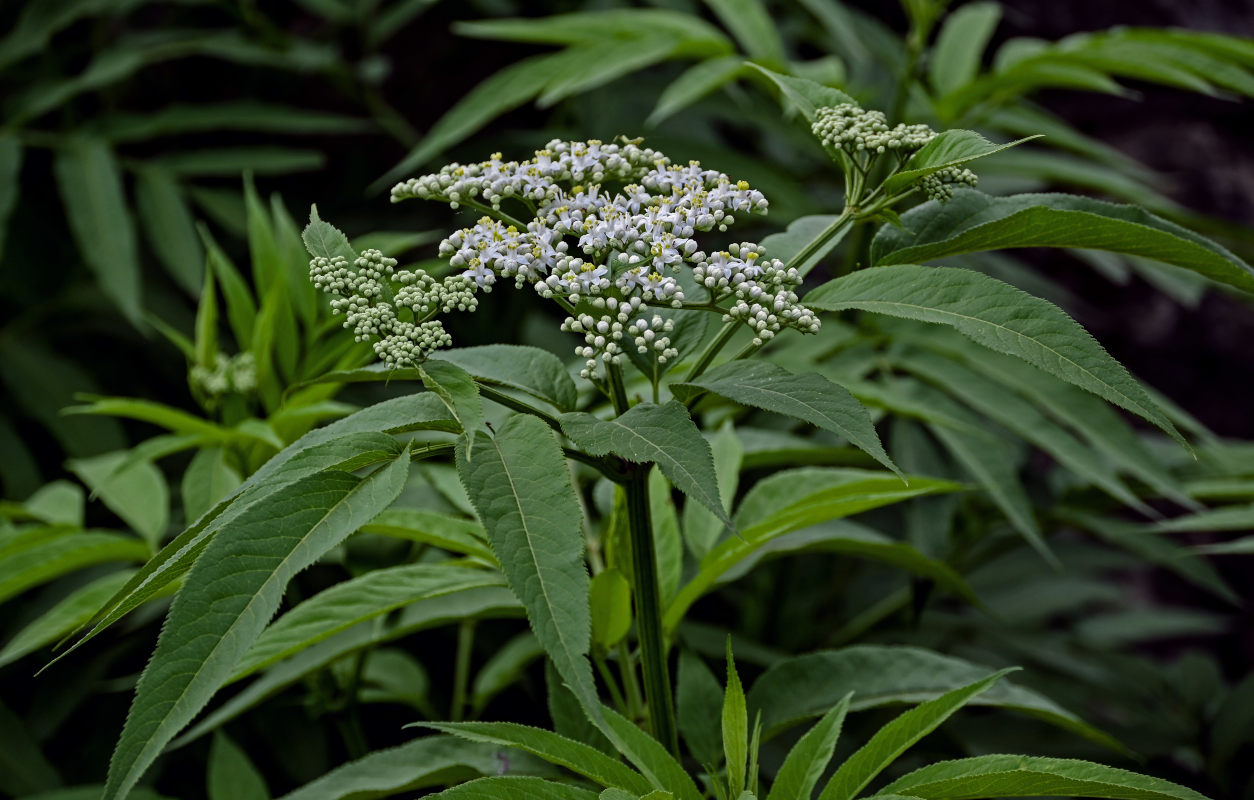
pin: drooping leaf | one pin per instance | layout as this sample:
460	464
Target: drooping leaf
694	84
552	747
520	485
429	527
806	686
345	604
999	317
529	370
90	182
973	222
660	434
62	618
897	736
808	758
603	61
209	628
1026	776
34	556
809	397
807	95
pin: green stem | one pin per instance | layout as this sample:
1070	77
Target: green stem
657	680
837	229
461	668
616	694
711	350
618	391
497	396
627	668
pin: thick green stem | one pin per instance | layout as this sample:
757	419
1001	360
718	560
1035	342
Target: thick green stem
461	669
657	680
711	350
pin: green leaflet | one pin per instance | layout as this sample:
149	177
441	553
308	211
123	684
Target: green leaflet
324	240
90	181
581	27
950	148
809	757
609	598
520	485
973	222
529	370
955	58
897	736
606	60
63	618
735	728
40	554
1229	518
702	530
552	747
433	761
664	435
137	492
1025	776
180	119
805	686
232	775
826	495
208	628
806	95
694	84
650	757
503	669
241	310
998	316
457	389
345	604
495	602
809	397
170	227
429	527
696	693
209	478
751	24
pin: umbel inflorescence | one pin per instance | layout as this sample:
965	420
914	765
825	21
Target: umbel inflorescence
864	134
611	226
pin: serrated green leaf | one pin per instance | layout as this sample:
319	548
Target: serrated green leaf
345	604
554	748
897	736
809	397
62	618
520	485
702	529
10	170
1001	318
650	757
806	95
168	417
603	61
825	495
973	222
515	788
754	29
1026	776
664	435
955	58
324	240
696	693
806	686
808	758
735	729
694	84
90	182
504	669
950	148
416	765
429	527
454	386
232	775
137	492
529	370
226	608
610	600
36	555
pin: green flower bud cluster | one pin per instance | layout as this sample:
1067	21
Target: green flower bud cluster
229	374
856	130
939	186
374	306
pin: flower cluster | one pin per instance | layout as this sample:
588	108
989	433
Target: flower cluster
228	374
400	320
858	131
618	248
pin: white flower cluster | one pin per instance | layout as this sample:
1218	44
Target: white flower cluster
373	306
621	249
238	374
858	131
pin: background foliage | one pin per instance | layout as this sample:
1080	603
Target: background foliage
134	256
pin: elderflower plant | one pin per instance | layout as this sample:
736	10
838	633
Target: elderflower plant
610	228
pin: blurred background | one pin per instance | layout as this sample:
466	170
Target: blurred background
140	138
